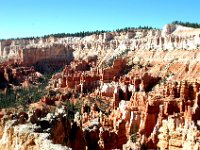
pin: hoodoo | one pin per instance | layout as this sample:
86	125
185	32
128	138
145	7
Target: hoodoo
129	89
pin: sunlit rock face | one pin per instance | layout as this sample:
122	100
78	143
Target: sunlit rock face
120	90
171	37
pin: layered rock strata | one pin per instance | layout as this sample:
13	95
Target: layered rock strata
130	90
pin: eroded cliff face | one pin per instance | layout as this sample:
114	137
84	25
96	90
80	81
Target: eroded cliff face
144	108
172	37
133	90
46	57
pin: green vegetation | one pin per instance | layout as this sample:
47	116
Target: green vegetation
87	33
72	109
187	24
84	33
77	34
97	32
23	96
134	133
126	29
7	99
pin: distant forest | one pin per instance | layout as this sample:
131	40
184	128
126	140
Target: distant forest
77	34
83	33
187	24
97	32
87	33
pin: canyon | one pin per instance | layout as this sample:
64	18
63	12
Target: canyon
138	89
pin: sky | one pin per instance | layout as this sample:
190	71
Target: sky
25	18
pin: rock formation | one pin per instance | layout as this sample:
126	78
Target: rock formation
16	75
120	90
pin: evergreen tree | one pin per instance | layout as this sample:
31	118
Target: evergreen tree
187	24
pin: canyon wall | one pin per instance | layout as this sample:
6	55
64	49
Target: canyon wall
138	89
108	45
